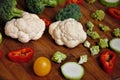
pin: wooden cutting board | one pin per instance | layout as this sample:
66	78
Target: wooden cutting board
46	46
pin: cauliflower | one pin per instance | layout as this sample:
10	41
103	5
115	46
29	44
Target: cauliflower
28	27
68	32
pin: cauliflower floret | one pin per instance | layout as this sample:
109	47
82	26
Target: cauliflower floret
28	27
68	32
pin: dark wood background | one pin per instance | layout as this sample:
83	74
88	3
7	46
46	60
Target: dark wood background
46	46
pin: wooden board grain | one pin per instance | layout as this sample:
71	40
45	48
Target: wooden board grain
46	46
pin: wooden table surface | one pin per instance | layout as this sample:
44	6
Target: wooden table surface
46	46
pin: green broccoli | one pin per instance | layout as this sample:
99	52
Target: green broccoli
70	11
58	57
94	50
90	25
103	43
93	34
98	15
104	28
8	10
38	6
116	32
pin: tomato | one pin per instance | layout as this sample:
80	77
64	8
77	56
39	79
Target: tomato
47	21
42	66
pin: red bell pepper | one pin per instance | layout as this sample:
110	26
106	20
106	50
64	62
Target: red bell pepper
1	54
115	12
107	60
21	55
74	1
47	21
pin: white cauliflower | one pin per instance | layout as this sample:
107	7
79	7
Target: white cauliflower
68	32
28	27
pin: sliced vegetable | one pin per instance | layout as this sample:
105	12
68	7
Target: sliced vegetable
42	66
116	32
0	38
98	15
104	28
83	59
58	57
115	44
103	43
115	12
72	71
74	1
21	55
110	3
94	50
87	44
107	59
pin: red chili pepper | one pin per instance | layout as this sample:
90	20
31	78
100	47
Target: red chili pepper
47	21
107	60
21	55
114	12
74	1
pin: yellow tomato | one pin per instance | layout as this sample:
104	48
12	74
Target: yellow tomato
42	66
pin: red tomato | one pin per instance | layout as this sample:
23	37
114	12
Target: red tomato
74	1
47	21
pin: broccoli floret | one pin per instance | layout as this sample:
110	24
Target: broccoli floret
98	15
94	50
58	57
90	25
103	43
93	34
116	32
70	11
38	6
8	10
104	28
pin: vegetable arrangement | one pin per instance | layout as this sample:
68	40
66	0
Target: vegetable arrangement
65	31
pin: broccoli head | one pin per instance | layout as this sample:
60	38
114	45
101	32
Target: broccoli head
8	10
38	6
70	11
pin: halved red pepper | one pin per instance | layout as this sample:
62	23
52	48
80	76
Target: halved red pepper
47	21
115	12
74	1
21	55
107	59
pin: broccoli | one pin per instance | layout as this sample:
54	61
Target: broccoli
8	10
116	32
90	25
38	6
58	57
103	43
98	15
70	11
104	28
94	50
93	34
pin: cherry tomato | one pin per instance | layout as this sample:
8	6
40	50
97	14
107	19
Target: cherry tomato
42	66
74	1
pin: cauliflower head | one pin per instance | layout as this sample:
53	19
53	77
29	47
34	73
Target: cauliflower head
68	32
28	27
